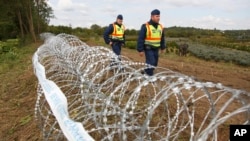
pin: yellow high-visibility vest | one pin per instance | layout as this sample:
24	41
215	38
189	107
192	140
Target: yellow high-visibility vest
118	32
153	35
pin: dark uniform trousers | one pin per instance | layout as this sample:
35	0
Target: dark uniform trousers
152	55
116	47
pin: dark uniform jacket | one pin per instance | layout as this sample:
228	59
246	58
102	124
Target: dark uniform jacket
142	36
109	31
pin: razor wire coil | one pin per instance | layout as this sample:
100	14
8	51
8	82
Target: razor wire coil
109	98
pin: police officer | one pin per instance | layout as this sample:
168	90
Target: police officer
114	35
151	40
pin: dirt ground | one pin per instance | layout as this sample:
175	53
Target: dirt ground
17	106
208	71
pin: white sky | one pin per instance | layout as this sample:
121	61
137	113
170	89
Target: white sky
206	14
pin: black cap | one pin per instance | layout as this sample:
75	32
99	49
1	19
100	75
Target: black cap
120	17
155	12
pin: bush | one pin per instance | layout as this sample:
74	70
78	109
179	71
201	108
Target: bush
220	54
9	56
131	38
172	44
131	44
8	50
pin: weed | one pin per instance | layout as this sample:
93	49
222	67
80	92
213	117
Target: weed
25	120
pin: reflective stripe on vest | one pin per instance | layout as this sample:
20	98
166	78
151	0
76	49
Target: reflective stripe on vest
118	32
153	35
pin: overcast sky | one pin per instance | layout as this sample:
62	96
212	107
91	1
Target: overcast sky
206	14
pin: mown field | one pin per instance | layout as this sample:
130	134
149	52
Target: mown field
18	83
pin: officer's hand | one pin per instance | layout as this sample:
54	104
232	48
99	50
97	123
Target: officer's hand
110	43
141	54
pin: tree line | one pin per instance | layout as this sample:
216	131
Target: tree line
173	32
24	18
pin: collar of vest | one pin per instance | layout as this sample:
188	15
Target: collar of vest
153	23
117	24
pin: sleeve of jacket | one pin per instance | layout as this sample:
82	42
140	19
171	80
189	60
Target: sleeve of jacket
163	42
107	32
141	38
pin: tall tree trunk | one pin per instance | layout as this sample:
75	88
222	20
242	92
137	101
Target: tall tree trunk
38	3
20	23
30	21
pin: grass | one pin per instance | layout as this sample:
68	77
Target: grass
16	59
11	69
17	92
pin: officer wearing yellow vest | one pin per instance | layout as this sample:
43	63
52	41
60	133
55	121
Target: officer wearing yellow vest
114	35
151	40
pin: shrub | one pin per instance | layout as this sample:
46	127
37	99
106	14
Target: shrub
8	50
220	54
172	44
131	44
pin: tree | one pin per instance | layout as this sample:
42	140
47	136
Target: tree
97	29
6	21
44	14
30	17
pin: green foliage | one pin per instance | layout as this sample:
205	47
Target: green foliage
172	44
240	35
9	56
97	30
131	38
7	30
23	17
189	32
8	50
223	42
131	44
132	32
13	42
16	56
60	29
172	47
220	54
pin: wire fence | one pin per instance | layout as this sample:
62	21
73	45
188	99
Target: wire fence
89	93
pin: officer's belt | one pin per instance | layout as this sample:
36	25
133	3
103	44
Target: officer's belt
148	47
